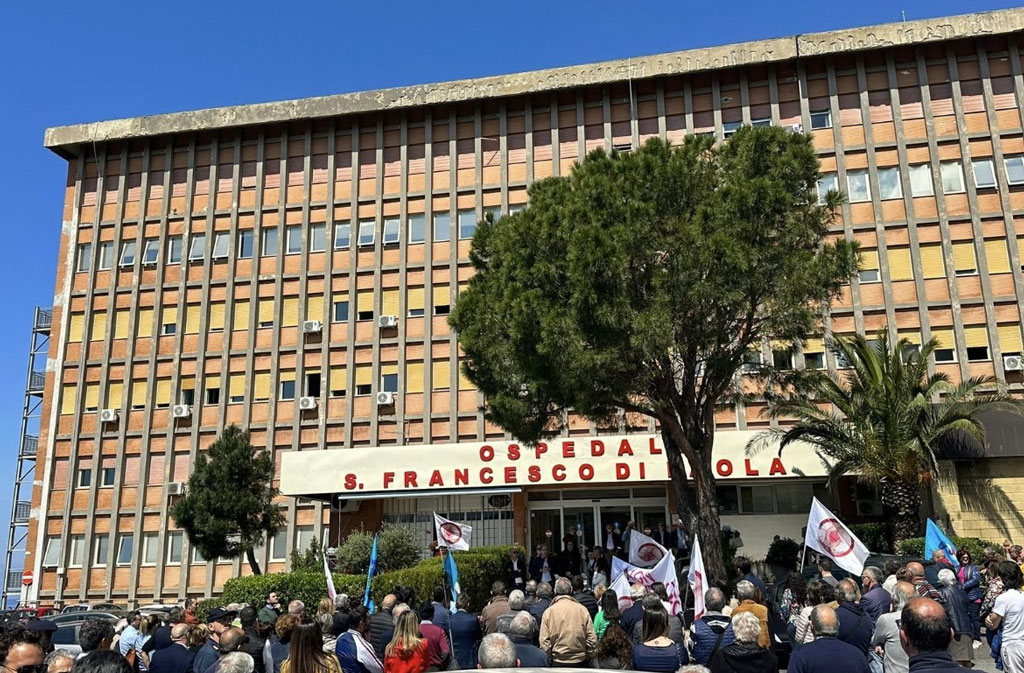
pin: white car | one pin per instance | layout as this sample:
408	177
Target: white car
156	607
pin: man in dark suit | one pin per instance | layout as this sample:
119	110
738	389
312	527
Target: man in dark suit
162	636
660	535
515	570
611	542
465	632
174	659
542	566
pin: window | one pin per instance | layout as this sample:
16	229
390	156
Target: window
279	546
102	552
174	250
793	498
977	353
220	244
512	210
945	354
317	237
828	182
467	223
494	212
188	396
952	177
728	128
367	231
197	249
782	360
313	384
84	257
814	360
245	244
84	477
150	542
51	556
417	227
391	228
174	542
389	383
363	389
287	390
341	311
197	557
293	240
1014	169
964	261
168	329
107	476
125	549
77	550
869	267
767	121
151	251
857	186
269	243
442	226
889	186
752	361
303	537
342	236
127	253
106	255
213	395
984	173
822	119
921	180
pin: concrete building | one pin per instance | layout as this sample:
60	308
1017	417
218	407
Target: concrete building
289	267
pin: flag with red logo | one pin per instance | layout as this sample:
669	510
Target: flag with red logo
644	551
830	536
698	579
450	534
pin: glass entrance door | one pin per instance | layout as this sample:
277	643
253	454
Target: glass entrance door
542	521
615	516
581	521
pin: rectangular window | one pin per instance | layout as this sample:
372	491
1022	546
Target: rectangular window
245	244
857	186
125	549
107	476
415	302
977	353
782	360
442	226
51	556
221	241
279	546
467	223
269	243
188	396
317	237
728	128
952	177
1014	169
102	552
984	173
442	300
287	390
293	240
828	182
174	250
341	311
128	253
84	257
822	119
814	360
197	249
77	550
767	121
106	255
197	557
150	542
338	382
151	251
174	543
389	383
889	186
303	537
367	232
921	180
213	395
342	236
417	228
391	229
964	261
84	477
313	384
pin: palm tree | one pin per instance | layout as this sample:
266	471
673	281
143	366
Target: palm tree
883	419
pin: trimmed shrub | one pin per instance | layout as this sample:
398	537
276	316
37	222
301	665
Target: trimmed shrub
308	587
785	552
396	549
914	546
877	537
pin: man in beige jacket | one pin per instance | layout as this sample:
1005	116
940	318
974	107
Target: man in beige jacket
566	631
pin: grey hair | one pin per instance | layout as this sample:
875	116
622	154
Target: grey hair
516	600
397	611
544	590
326	621
946	577
296	608
497	651
637	591
235	662
651	601
693	668
563	587
747	627
745	590
522	625
901	595
874	572
341	602
714	599
848	591
824	621
52	657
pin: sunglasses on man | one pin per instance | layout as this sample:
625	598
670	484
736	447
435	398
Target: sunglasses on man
31	668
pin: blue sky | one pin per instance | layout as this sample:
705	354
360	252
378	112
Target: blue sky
68	62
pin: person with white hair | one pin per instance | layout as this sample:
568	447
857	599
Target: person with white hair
516	603
693	668
341	602
886	638
827	653
566	632
59	661
954	601
744	653
497	651
521	630
746	592
634	614
235	662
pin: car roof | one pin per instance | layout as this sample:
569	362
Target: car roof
85	615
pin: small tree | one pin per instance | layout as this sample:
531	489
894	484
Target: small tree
396	549
310	559
228	508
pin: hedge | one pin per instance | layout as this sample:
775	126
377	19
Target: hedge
914	546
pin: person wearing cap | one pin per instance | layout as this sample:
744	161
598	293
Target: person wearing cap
219	621
44	628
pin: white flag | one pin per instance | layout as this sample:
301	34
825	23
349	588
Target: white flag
331	592
644	551
830	536
627	574
698	579
450	534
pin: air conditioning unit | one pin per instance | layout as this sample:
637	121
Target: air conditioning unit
385	399
306	403
181	411
175	488
795	128
108	416
311	327
1013	363
385	321
867	508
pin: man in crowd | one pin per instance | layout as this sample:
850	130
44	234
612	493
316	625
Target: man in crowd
497	651
925	634
298	608
746	568
713	631
522	630
466	633
541	565
95	634
886	638
59	661
745	595
635	612
515	570
921	584
855	625
235	662
219	621
102	661
826	653
162	636
531	592
354	653
230	641
630	527
441	613
660	535
272	610
584	597
516	602
440	652
942	561
825	570
380	623
498	605
611	543
131	637
174	659
680	539
598	567
544	595
255	641
875	599
652	601
567	632
19	648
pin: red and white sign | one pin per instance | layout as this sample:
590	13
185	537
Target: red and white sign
450	534
828	535
627	574
625	459
27	577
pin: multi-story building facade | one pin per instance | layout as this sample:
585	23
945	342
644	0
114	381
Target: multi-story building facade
288	267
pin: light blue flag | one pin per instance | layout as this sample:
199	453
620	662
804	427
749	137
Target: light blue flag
451	574
935	539
371	571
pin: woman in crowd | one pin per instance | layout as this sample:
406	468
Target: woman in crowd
407	652
615	651
197	636
992	592
608	614
744	655
326	622
1007	615
954	600
794	597
818	593
306	653
276	651
657	652
325	607
970	580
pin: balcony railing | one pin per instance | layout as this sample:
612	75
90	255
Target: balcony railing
29	445
44	319
22	512
36	382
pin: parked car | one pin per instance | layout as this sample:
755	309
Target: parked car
160	609
68	626
86	607
30	614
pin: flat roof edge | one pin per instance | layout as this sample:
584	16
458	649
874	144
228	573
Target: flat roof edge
692	60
